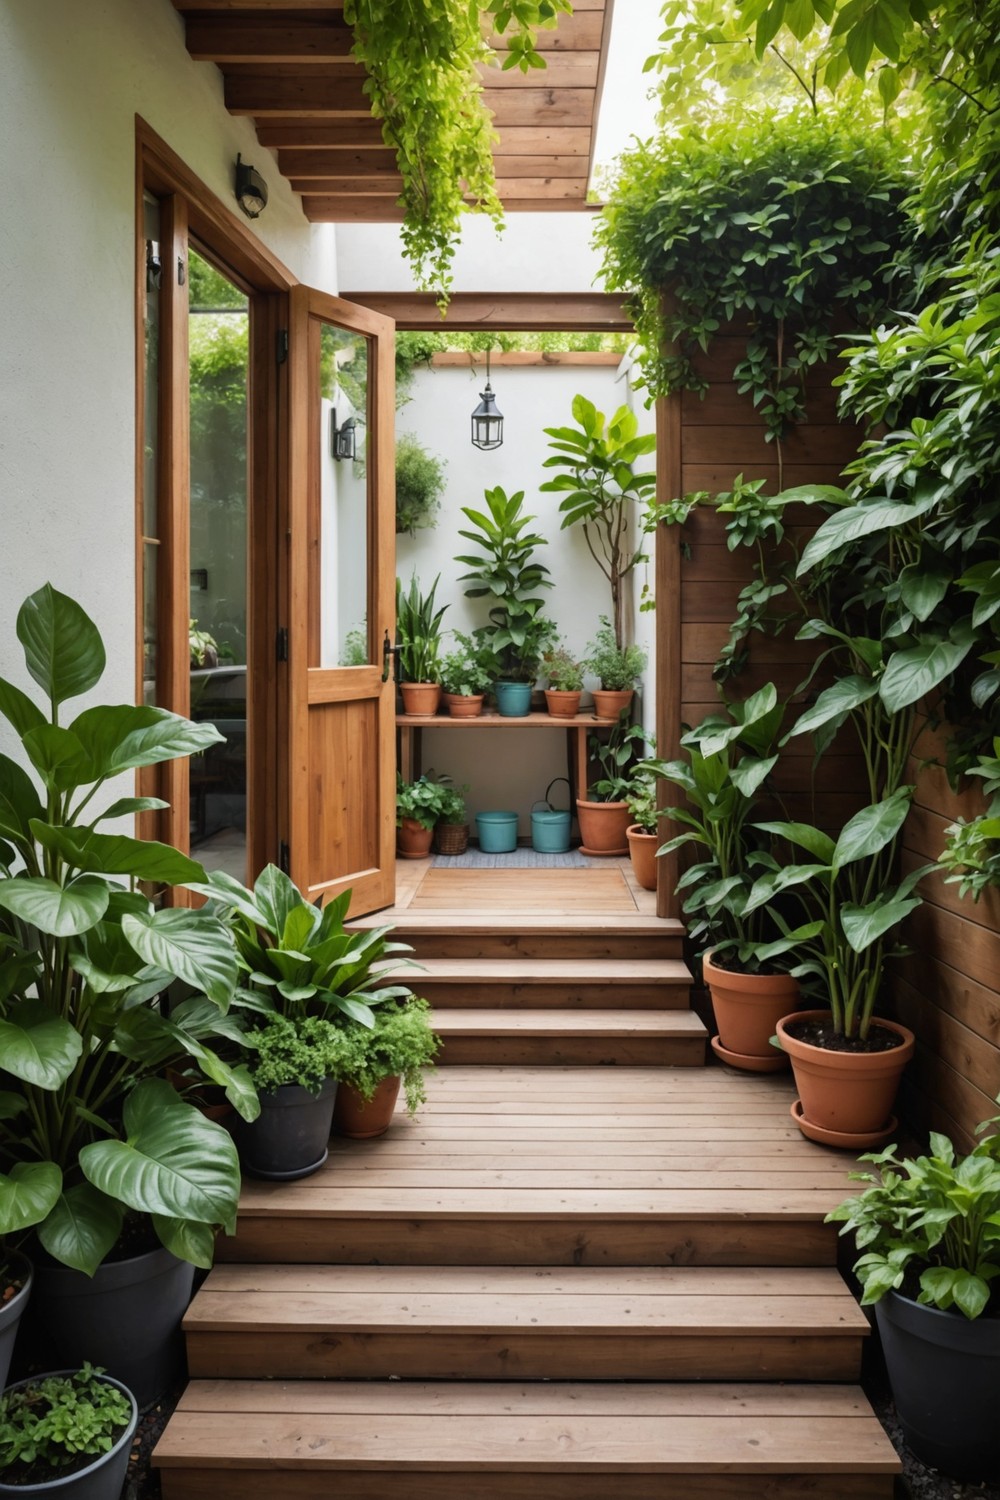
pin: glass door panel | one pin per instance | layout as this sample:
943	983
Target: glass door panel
341	639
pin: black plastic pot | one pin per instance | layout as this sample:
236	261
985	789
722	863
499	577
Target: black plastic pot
290	1136
10	1312
945	1374
101	1480
125	1318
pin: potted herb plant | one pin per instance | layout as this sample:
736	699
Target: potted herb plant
67	1434
122	1184
604	813
929	1230
466	674
847	1061
396	1050
295	1066
15	1292
451	832
619	669
419	807
504	571
565	679
418	626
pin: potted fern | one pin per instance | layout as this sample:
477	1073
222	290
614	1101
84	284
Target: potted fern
418	626
376	1062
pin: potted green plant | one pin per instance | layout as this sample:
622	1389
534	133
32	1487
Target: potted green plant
68	1434
419	485
92	1137
505	572
727	760
419	806
295	1066
847	1061
466	674
397	1049
15	1292
641	832
451	832
600	487
619	669
418	626
929	1230
565	679
604	813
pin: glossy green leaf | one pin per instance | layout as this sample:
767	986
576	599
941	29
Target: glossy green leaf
834	704
60	911
18	709
192	945
28	1194
805	836
189	1241
37	1045
864	925
116	854
82	1227
872	829
19	801
853	523
63	650
124	737
914	673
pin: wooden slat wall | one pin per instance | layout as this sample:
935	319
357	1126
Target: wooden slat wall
948	989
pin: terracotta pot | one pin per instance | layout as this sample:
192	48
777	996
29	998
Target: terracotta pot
848	1093
562	705
603	826
748	1008
413	840
642	849
420	697
609	705
463	705
360	1119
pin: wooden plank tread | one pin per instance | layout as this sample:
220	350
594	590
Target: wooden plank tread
405	920
614	972
568	1023
550	1427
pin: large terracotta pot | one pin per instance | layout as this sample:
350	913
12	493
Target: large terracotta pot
562	705
610	704
413	840
420	697
846	1098
360	1119
603	826
464	705
642	848
747	1009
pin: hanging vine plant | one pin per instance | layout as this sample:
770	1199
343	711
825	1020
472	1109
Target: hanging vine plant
422	59
788	221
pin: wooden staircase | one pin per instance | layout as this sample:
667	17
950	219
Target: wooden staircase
581	1272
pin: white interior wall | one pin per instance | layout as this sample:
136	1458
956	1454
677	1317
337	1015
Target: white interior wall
510	768
72	79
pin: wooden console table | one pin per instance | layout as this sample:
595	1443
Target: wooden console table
411	727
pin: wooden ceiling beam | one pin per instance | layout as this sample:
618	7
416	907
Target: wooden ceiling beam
263	7
541	140
334	208
388	186
563	70
320	93
303	164
235	39
540	106
580	32
298	133
514	312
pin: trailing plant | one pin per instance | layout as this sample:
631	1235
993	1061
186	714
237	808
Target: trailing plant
401	1043
971	855
618	757
789	221
601	488
618	667
52	1424
418	626
421	62
89	1129
929	1226
469	670
504	571
419	485
425	800
305	1051
564	674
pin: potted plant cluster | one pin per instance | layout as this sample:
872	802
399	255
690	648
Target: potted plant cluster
420	805
395	1051
418	626
565	682
618	669
120	1182
928	1228
68	1434
467	673
451	832
604	813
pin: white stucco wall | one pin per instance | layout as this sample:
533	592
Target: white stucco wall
509	769
72	78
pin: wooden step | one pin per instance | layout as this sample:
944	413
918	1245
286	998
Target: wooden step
546	983
305	1440
595	1038
524	1323
531	934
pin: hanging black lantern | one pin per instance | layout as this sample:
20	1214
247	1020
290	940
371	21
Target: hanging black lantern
487	421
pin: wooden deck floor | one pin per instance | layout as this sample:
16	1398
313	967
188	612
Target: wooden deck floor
421	887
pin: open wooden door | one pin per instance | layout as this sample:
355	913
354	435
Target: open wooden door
341	795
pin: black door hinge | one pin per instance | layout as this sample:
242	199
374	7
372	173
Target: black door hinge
281	342
281	644
284	858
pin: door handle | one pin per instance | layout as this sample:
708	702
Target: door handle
390	654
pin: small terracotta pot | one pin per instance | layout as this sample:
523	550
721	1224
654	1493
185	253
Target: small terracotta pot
609	705
413	840
642	848
603	826
463	705
849	1093
360	1119
420	697
562	705
748	1007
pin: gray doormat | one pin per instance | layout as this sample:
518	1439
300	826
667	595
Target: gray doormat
518	859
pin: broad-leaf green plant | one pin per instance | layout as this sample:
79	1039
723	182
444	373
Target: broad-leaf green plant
505	573
469	670
425	800
619	760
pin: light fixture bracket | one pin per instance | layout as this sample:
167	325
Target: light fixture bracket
251	189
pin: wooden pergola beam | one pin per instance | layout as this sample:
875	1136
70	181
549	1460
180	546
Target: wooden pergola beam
513	312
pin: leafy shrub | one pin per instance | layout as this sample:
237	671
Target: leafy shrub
419	485
425	800
305	1051
618	667
401	1042
469	670
618	757
564	675
53	1422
